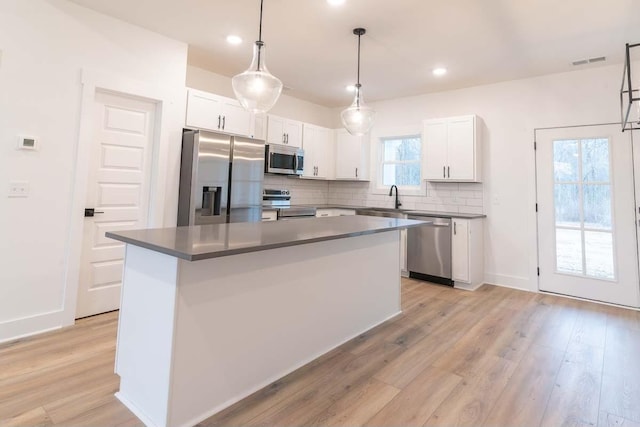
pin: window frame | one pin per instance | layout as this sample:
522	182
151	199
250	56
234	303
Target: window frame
397	133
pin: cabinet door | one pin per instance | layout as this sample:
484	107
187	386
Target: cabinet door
309	143
204	110
321	153
322	213
275	130
235	119
460	250
293	132
260	126
434	153
461	148
348	155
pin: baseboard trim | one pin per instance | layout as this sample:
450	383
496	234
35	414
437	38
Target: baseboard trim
15	329
514	282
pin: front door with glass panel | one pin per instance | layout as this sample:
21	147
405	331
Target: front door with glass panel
586	214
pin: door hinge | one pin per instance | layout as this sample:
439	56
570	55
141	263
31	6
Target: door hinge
535	145
536	207
538	271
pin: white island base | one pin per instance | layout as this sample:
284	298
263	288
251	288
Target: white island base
197	336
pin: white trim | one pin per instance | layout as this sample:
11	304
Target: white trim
513	282
136	411
376	173
93	80
14	329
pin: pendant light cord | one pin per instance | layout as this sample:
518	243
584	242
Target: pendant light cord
358	60
260	31
358	84
259	42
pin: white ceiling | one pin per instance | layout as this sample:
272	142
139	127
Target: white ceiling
311	48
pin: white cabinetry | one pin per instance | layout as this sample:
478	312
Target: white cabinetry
284	131
467	261
269	215
452	149
317	143
321	213
218	113
352	156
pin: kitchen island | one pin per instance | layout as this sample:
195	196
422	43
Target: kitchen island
211	314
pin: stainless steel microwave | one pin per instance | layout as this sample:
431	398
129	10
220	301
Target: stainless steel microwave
282	159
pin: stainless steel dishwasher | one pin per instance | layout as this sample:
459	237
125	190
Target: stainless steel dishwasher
429	250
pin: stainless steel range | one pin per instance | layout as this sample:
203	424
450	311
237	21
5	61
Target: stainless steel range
280	200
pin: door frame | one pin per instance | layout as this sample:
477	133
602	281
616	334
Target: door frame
635	200
167	110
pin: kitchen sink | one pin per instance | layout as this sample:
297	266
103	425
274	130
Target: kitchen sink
383	212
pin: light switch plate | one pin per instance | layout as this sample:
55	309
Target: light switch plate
18	189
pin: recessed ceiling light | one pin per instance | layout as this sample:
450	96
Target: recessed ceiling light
351	88
231	39
336	2
439	71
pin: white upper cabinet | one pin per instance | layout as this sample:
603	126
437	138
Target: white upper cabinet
217	113
351	156
452	149
317	143
284	131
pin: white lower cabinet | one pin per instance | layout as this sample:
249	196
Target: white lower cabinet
269	215
467	261
403	254
321	213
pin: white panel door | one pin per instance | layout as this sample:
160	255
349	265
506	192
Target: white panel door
435	150
118	190
586	214
460	148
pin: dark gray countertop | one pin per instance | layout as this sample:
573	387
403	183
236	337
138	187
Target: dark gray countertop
214	241
406	211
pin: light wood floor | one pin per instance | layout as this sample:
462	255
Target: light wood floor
494	357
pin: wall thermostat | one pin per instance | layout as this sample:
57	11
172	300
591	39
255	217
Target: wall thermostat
27	143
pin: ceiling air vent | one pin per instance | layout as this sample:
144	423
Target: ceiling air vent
589	60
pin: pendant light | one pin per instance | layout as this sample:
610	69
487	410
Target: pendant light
257	89
358	117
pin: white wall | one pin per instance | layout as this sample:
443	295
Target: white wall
286	106
511	111
45	46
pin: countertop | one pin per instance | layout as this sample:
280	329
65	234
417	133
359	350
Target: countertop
405	211
214	241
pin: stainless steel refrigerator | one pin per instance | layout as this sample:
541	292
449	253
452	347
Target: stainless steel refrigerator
220	179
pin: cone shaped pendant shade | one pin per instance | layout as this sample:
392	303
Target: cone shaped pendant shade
358	118
257	89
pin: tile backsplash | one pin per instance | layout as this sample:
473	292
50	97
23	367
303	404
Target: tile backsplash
439	197
303	191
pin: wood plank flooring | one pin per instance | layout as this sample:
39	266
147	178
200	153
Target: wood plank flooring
493	357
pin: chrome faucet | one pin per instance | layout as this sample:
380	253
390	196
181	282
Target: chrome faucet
398	204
